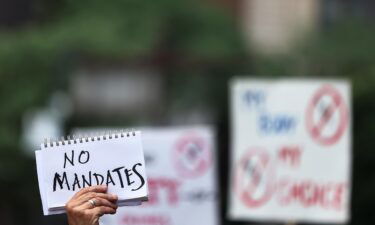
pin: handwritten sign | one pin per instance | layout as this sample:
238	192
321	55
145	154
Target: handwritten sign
291	148
115	162
181	177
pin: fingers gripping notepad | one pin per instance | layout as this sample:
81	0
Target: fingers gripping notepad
116	160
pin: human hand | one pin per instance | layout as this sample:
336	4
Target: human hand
89	204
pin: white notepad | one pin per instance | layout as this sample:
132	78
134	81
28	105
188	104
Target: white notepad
116	160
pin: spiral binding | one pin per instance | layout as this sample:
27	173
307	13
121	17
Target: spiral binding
81	138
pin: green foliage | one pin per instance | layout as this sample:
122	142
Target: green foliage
37	58
31	58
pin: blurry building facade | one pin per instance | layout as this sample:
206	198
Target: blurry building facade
273	26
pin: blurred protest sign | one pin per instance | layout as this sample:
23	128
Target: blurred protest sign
180	165
290	150
115	160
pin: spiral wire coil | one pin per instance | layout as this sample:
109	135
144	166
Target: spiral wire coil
81	138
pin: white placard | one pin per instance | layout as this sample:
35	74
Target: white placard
291	150
115	161
180	164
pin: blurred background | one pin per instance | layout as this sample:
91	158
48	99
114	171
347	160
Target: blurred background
124	63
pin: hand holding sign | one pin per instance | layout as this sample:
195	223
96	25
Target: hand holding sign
89	204
116	161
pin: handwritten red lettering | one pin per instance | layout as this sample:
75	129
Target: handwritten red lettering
291	155
157	186
309	193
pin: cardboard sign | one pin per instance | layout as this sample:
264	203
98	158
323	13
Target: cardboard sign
291	150
181	179
113	160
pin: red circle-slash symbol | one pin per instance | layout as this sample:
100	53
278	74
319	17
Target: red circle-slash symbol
191	156
327	116
254	176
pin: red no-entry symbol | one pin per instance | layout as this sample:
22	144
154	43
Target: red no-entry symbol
327	116
254	177
191	156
